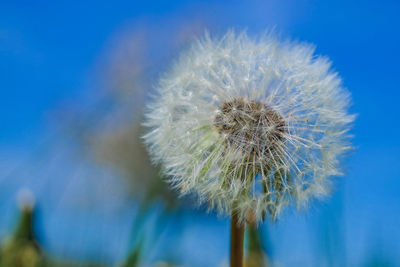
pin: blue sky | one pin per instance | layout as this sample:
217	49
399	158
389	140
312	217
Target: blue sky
51	53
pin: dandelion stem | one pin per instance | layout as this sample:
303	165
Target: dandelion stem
237	235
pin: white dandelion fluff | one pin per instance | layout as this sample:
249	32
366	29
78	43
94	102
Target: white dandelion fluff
249	125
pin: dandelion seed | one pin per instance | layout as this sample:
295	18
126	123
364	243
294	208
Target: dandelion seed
263	114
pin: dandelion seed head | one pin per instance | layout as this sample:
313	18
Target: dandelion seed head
249	125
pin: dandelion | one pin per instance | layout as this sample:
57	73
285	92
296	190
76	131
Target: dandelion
249	125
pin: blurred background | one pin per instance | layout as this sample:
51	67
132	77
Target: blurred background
76	185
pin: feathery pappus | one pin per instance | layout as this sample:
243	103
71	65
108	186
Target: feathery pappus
249	124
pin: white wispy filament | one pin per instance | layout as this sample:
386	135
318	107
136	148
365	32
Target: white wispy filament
249	125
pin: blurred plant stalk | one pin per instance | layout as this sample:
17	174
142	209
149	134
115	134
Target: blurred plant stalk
22	249
256	256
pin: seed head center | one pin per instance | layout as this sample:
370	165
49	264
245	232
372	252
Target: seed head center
250	126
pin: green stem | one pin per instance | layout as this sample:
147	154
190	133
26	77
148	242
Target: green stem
237	235
255	254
